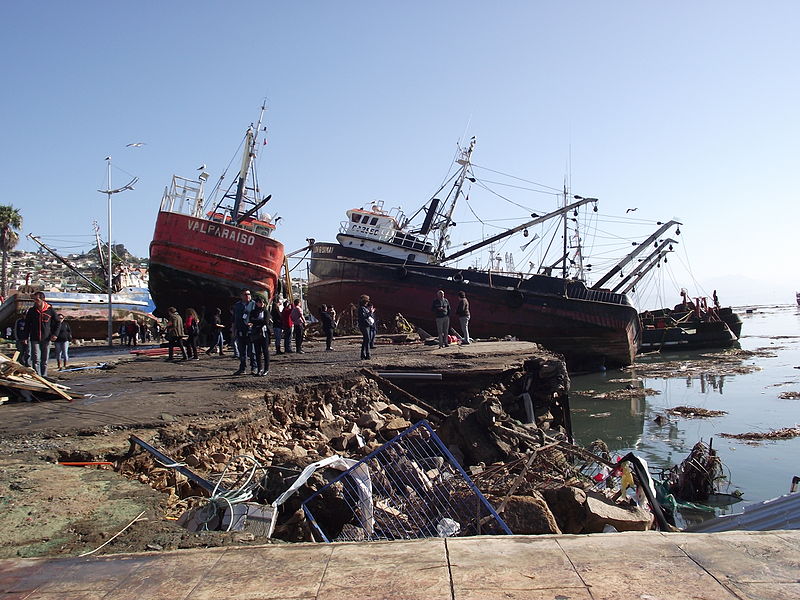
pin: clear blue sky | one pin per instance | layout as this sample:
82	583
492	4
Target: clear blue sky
685	110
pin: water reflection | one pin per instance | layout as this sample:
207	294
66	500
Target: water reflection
747	389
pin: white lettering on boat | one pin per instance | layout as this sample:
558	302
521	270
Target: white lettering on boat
226	233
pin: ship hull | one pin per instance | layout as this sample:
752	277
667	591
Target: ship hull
203	264
86	313
589	328
691	336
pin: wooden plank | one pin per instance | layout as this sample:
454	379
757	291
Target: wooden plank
30	372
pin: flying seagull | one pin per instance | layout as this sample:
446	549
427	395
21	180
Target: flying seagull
135	145
630	210
202	167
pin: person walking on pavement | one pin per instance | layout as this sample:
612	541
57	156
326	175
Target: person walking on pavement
192	329
41	327
286	321
215	331
261	323
277	323
441	311
299	324
63	339
21	342
365	322
462	311
174	332
241	324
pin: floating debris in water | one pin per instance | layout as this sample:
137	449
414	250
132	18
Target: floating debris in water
789	395
786	433
618	394
693	412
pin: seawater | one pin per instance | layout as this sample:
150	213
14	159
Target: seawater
759	470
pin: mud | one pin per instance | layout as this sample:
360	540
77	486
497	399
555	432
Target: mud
51	510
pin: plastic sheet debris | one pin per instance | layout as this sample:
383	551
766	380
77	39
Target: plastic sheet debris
409	488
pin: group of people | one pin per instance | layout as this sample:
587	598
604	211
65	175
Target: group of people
182	333
255	324
367	325
441	312
34	333
132	332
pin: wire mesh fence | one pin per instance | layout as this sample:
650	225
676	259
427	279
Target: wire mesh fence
411	487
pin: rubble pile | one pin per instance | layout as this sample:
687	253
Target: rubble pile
513	439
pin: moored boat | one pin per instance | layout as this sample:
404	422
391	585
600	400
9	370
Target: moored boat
379	253
202	256
690	325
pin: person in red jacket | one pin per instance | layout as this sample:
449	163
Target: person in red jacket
41	327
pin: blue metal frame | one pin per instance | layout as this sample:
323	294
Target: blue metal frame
415	523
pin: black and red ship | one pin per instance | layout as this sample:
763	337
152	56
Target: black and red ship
401	267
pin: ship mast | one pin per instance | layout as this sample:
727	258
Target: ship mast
66	263
464	161
248	155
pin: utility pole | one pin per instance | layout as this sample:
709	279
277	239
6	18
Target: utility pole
110	192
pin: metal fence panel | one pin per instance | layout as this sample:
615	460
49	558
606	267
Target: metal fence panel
411	487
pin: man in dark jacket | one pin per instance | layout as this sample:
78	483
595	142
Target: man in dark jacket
21	339
241	329
441	312
41	327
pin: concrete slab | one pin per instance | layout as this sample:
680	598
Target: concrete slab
266	573
509	563
385	569
745	557
768	591
641	566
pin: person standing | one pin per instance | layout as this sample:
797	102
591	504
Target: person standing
286	321
21	342
299	324
174	332
241	326
441	312
261	323
132	330
192	328
462	311
365	322
326	318
373	329
277	323
41	327
217	341
63	339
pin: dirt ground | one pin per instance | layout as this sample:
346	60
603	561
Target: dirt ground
53	510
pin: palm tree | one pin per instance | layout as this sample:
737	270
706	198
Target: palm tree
10	219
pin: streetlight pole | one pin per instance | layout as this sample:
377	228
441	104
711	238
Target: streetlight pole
110	192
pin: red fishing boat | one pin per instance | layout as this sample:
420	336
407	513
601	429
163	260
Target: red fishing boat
204	252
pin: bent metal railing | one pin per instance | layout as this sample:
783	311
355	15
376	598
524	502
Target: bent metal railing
409	488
